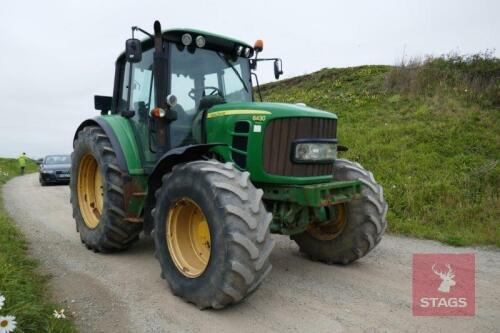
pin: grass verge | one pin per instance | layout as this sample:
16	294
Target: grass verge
25	290
430	132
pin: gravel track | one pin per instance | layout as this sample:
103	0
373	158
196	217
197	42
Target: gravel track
123	292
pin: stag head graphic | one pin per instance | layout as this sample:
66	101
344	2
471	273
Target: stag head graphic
446	279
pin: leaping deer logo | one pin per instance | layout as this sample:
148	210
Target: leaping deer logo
446	279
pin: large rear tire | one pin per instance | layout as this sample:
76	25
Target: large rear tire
211	233
96	186
358	225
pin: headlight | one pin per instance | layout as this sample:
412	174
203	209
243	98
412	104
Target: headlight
310	152
47	171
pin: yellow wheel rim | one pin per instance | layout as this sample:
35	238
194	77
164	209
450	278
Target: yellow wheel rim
332	230
90	191
188	238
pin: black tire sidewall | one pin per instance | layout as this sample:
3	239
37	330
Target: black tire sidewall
85	146
199	190
352	242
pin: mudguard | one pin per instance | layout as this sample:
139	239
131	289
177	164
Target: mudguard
165	165
122	163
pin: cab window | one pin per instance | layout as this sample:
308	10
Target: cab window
142	93
196	73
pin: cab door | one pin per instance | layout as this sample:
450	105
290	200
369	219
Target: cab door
141	102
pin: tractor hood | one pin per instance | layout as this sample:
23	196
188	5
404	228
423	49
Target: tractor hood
259	137
268	110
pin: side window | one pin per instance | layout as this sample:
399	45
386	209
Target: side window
142	93
231	80
233	89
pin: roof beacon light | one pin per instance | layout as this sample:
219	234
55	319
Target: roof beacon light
200	41
186	39
259	45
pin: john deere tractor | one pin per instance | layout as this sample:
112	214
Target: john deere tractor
182	151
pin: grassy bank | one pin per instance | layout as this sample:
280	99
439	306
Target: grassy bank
430	132
25	290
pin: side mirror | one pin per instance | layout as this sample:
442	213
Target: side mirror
39	161
278	70
133	50
103	103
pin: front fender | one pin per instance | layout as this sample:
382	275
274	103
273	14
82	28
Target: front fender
121	137
99	122
164	165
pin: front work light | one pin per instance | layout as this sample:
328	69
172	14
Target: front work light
314	151
247	52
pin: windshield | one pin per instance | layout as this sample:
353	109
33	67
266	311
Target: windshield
204	72
198	73
58	159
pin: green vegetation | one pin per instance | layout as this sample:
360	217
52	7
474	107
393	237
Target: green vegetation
430	132
25	290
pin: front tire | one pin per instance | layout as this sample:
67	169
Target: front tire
97	199
230	257
364	221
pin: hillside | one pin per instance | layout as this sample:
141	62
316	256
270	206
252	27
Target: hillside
429	131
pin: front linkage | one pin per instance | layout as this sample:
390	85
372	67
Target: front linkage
295	207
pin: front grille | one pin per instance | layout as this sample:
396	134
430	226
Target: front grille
280	133
240	143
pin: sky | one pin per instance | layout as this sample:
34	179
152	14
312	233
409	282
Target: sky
56	55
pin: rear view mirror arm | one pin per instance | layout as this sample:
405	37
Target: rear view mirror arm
258	85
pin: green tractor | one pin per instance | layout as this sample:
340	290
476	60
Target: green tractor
182	151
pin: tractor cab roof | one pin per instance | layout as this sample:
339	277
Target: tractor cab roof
213	41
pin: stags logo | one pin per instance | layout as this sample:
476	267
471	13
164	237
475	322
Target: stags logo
447	279
444	284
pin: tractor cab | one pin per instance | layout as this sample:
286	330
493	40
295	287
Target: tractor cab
196	71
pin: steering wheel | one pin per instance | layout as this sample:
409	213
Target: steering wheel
215	90
192	95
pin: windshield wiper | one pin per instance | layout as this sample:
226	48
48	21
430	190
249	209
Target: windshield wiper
234	70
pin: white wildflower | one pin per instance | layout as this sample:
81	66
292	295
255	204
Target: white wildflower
2	301
7	324
60	314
